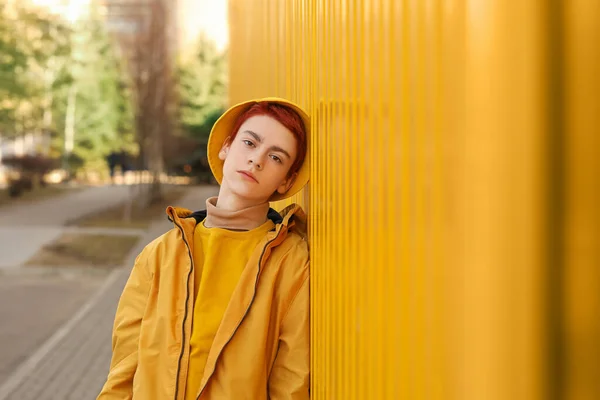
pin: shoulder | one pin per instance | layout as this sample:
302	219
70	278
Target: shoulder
158	248
295	242
159	243
293	254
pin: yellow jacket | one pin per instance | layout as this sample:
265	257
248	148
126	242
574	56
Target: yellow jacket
261	350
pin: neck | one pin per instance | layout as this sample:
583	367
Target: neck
235	219
231	202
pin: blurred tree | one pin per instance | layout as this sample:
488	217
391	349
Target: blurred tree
12	62
103	120
35	48
66	80
202	89
202	95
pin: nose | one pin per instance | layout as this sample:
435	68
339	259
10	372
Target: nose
256	162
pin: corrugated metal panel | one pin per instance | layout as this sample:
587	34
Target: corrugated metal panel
580	197
445	213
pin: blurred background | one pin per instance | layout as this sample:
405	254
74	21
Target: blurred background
92	86
454	218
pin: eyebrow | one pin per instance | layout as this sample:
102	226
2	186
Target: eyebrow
255	135
259	139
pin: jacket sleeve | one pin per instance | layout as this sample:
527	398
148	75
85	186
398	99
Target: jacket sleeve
289	379
126	330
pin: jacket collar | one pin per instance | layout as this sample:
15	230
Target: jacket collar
291	216
200	215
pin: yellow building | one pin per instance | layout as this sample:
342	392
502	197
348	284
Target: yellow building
454	194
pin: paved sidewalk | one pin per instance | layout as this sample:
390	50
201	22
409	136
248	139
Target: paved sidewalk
35	305
25	229
60	209
73	363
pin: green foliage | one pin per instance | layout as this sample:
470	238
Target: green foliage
12	58
33	49
104	114
43	58
202	84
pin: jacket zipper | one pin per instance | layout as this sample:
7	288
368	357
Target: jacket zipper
185	315
245	313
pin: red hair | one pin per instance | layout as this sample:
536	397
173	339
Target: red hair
287	117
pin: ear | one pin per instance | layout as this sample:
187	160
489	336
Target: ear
287	183
225	149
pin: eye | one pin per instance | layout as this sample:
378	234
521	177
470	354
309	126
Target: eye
248	143
276	159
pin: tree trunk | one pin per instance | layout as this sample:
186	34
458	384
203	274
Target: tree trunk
70	128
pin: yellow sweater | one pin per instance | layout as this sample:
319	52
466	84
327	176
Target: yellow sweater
220	256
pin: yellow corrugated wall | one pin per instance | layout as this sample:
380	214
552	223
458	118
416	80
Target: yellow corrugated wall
454	198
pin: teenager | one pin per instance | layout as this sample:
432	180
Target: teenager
218	307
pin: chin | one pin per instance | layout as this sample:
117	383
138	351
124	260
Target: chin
247	190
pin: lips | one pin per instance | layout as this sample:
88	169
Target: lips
248	175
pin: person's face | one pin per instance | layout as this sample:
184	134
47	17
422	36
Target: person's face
258	159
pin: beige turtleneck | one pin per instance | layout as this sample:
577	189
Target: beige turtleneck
240	220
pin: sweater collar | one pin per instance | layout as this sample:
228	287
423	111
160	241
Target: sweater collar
244	219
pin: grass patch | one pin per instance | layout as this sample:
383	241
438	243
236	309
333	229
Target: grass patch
141	217
36	194
77	250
